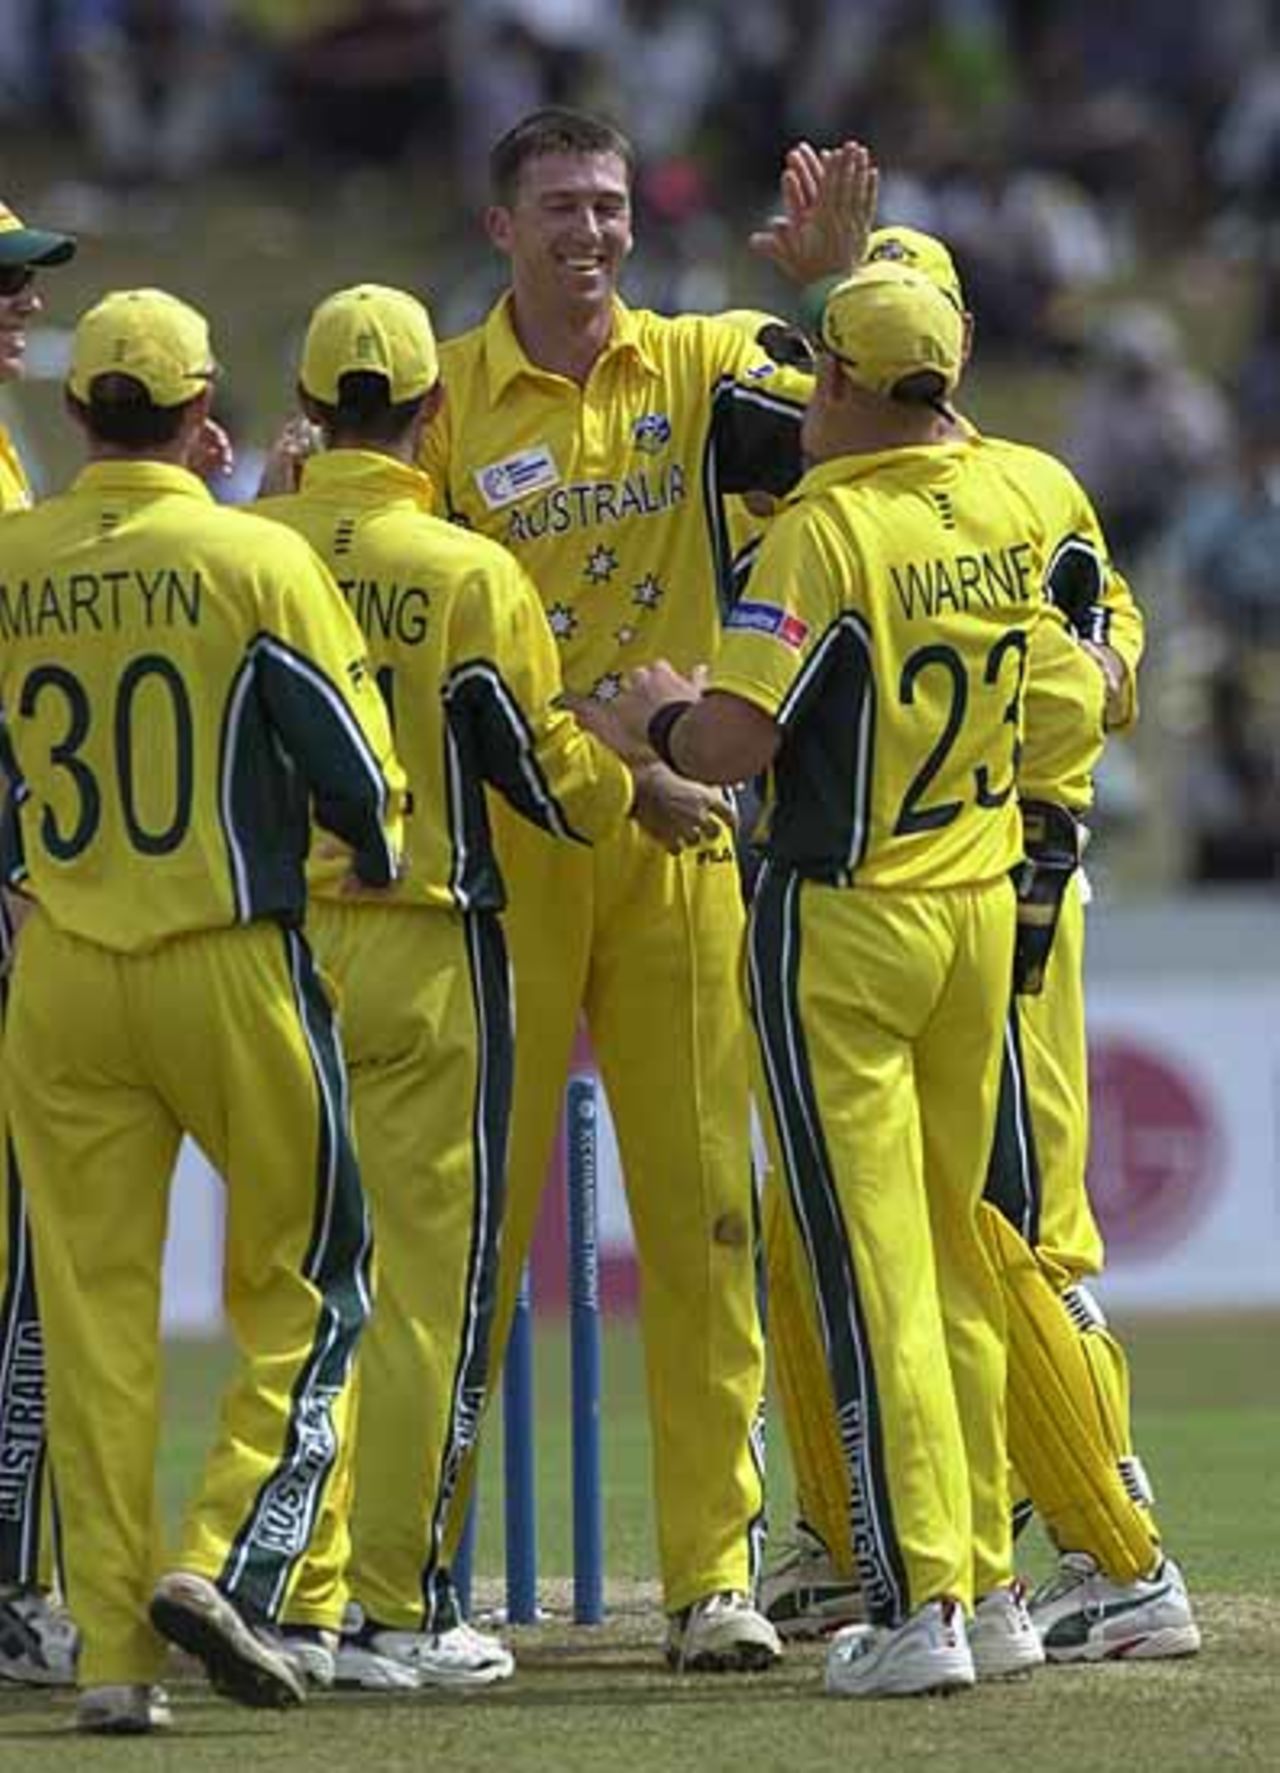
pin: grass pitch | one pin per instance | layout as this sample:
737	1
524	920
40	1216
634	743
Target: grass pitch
1208	1419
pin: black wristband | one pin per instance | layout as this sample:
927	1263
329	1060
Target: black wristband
658	731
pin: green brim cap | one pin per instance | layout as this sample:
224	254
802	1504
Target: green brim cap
21	245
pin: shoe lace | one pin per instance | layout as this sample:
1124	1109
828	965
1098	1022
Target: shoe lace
1074	1569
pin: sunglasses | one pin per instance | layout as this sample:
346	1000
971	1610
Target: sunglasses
15	278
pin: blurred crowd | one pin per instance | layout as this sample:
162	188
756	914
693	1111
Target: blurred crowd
1103	170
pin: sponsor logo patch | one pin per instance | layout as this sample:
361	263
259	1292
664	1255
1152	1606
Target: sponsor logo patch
767	618
528	471
651	432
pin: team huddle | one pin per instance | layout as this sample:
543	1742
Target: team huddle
329	817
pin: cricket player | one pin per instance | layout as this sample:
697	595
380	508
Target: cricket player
1116	1594
596	441
37	1638
877	665
182	685
460	646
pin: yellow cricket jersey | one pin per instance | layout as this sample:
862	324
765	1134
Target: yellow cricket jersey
1065	705
15	489
612	495
1082	579
887	628
462	653
1064	720
181	683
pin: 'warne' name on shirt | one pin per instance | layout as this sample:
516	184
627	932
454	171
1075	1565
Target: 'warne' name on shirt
964	581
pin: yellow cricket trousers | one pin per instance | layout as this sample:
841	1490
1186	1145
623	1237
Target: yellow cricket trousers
1041	1149
110	1058
879	1020
426	1027
1036	1180
649	946
25	1543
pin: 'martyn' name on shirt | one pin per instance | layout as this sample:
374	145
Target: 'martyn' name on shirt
958	582
91	603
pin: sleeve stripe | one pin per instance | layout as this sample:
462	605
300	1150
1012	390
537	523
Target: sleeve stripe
226	804
457	823
730	387
317	681
717	524
860	814
511	713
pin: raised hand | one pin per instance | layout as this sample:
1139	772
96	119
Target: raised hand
211	451
828	209
282	469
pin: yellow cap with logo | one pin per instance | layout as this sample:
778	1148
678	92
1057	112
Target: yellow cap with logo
922	252
149	335
375	329
21	245
888	322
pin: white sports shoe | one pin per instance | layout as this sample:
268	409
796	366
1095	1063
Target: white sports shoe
309	1648
123	1711
803	1595
722	1633
38	1642
382	1659
1002	1638
927	1653
1083	1616
240	1661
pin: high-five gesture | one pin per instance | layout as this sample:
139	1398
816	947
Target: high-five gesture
828	208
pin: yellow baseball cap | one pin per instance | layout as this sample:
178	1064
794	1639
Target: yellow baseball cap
887	322
149	335
922	252
373	328
21	245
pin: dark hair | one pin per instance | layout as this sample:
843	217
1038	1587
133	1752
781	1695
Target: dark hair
555	130
923	387
786	344
120	411
365	409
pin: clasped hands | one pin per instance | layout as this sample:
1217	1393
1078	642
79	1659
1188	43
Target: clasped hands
676	812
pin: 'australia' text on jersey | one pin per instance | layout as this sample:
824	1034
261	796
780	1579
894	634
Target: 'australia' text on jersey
587	502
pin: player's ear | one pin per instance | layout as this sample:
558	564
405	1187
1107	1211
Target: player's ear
966	348
196	411
432	401
497	223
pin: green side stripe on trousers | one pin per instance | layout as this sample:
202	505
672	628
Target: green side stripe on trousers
338	1261
774	938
